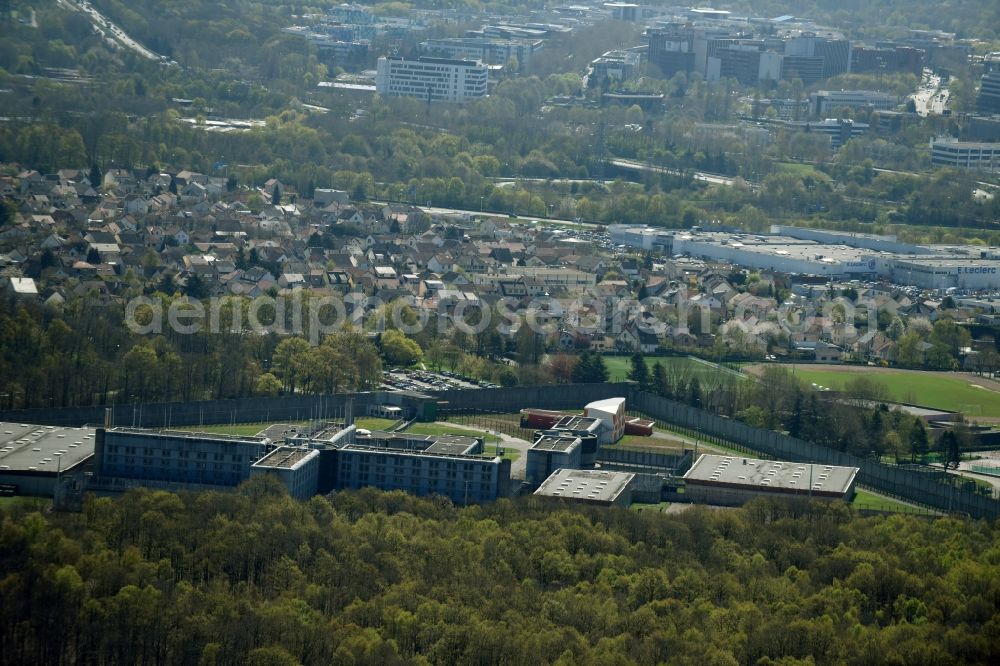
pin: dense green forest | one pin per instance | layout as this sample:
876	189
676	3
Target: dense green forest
254	577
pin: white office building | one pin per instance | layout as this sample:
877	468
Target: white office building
431	79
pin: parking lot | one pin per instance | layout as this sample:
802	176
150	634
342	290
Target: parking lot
425	380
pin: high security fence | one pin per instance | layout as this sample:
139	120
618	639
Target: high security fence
306	407
886	478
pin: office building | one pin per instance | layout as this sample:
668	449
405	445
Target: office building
888	59
597	487
734	480
965	154
297	468
485	50
671	49
982	128
431	79
839	131
988	100
835	52
615	65
808	69
825	102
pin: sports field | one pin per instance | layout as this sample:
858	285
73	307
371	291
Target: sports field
974	396
619	366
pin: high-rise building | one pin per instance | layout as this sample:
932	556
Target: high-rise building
836	53
672	49
989	94
483	49
889	59
431	79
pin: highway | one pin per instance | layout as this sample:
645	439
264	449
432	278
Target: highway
438	210
636	165
109	29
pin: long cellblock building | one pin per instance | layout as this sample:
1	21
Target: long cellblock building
431	79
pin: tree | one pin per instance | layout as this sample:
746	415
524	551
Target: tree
96	177
639	372
694	392
950	448
918	441
561	366
590	368
659	380
8	212
93	256
276	195
896	329
287	361
268	385
196	287
397	349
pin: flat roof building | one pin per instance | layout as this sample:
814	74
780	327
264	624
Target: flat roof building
965	154
431	79
824	102
174	458
589	487
297	468
552	452
734	480
32	456
465	479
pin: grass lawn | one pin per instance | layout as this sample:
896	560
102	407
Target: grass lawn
640	506
639	442
37	502
441	429
866	500
373	423
619	366
801	170
957	393
508	454
241	429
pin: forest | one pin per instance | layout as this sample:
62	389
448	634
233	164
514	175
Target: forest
255	577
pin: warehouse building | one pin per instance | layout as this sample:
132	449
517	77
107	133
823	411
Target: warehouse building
32	457
966	273
734	480
589	487
939	267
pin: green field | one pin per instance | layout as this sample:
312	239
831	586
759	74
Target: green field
441	429
619	366
241	429
866	500
955	393
373	423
